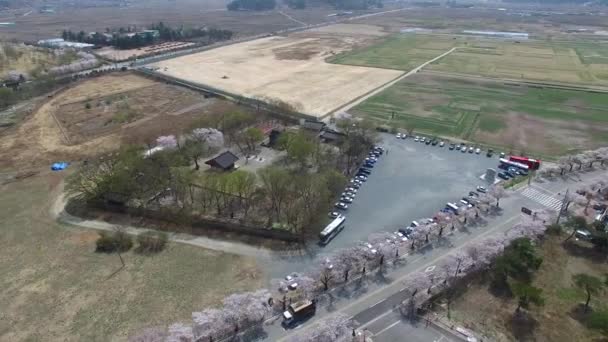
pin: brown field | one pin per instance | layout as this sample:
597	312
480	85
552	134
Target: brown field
114	54
291	69
123	108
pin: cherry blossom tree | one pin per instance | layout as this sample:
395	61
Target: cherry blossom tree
326	272
210	324
417	281
210	136
443	219
348	260
497	192
167	141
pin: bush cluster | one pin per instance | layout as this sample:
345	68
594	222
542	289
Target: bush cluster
151	242
113	242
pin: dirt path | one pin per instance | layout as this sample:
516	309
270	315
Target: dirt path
58	213
386	85
292	18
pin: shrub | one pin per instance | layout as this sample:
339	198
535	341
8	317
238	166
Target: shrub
87	105
151	242
113	242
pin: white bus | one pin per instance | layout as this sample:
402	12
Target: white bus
332	229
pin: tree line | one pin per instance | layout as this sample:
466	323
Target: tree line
265	5
129	38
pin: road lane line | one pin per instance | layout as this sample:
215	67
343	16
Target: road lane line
376	319
387	328
377	303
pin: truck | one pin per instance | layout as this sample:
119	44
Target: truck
299	311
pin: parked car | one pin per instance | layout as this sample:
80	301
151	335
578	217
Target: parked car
473	193
355	185
428	141
416	138
458	147
351	189
434	142
333	214
341	206
522	172
348	194
471	149
441	144
346	199
403	136
452	146
502	154
481	189
478	150
490	153
400	236
503	175
365	171
510	174
463	149
398	136
368	165
361	178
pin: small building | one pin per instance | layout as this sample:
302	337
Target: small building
330	135
224	161
315	126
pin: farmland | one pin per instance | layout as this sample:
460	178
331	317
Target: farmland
291	69
580	62
545	121
97	115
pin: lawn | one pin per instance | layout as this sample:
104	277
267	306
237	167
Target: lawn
492	315
55	287
539	120
577	62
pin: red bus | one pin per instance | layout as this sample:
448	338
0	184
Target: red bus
533	164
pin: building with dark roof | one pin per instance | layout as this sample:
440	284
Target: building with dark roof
316	126
224	161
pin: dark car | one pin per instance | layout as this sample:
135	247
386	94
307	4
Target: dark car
365	171
434	142
368	165
503	175
521	172
473	193
452	146
406	231
490	153
428	141
511	174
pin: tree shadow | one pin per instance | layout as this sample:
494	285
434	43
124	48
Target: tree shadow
380	277
255	333
522	326
590	253
444	242
578	313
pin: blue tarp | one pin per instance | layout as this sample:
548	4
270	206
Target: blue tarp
59	166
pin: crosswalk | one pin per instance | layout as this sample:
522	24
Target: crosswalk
542	198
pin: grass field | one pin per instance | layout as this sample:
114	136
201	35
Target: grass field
30	60
402	51
544	121
54	287
580	62
554	321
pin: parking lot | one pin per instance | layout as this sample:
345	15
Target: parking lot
410	181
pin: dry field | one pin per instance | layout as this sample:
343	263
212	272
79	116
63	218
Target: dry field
54	287
27	59
114	54
291	69
123	108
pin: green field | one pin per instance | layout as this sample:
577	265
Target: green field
402	51
545	121
580	62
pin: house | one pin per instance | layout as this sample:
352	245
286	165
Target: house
330	135
315	126
224	161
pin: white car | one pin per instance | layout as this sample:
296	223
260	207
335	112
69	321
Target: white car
351	190
441	144
464	149
471	149
400	236
398	136
478	150
333	214
346	199
342	206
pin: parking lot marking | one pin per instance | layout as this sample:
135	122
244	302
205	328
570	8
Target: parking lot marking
387	328
542	198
